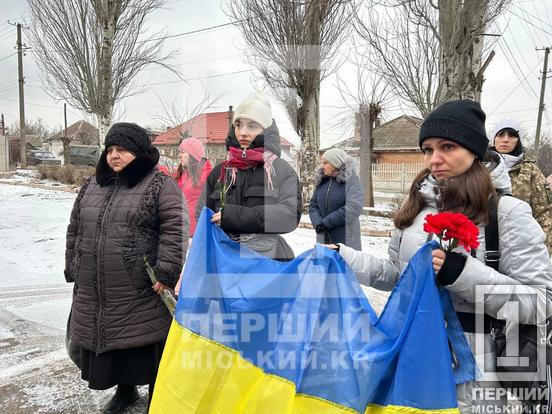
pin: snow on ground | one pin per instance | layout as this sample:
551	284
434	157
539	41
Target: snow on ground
36	375
32	177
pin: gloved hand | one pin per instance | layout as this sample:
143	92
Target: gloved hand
321	228
451	268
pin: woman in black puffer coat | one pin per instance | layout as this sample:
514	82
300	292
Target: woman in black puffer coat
255	194
128	210
337	201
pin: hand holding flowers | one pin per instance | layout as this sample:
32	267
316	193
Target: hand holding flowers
454	228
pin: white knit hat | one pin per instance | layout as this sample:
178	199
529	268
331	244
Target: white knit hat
505	123
255	107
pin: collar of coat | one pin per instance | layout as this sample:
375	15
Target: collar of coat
343	173
132	174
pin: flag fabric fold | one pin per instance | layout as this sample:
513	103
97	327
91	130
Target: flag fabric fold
255	335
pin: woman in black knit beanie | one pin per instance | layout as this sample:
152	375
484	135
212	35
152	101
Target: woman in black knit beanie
459	177
127	211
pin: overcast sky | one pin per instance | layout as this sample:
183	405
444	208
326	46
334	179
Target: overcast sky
215	59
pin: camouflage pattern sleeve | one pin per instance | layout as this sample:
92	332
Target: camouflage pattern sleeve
529	184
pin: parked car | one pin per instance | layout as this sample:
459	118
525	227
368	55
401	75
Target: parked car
87	155
167	166
38	157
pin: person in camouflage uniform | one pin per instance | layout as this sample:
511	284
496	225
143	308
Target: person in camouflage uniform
528	182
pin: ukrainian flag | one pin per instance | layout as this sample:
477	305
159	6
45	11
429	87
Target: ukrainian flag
253	335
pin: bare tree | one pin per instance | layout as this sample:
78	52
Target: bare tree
461	27
544	158
431	50
176	114
194	104
365	99
404	54
32	127
294	43
90	51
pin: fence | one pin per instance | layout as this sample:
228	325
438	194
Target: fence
394	178
4	154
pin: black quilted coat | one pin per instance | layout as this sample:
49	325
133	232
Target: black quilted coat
117	219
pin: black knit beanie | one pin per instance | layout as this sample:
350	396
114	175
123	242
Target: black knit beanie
130	136
461	121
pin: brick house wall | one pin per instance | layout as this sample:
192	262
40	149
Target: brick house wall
399	157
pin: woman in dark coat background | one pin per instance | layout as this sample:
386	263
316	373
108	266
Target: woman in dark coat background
255	194
128	210
337	201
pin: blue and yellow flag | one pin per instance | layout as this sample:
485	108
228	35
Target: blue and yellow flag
254	335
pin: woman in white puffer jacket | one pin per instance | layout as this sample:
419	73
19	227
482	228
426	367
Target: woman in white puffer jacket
454	144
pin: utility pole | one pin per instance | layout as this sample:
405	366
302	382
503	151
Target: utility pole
65	139
23	140
541	102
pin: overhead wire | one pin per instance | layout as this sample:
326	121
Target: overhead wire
515	89
531	23
6	57
528	88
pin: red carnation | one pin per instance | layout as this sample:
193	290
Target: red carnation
455	228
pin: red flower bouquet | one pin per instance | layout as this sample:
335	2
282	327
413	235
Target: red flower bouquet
455	228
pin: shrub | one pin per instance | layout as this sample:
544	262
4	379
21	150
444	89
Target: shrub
67	174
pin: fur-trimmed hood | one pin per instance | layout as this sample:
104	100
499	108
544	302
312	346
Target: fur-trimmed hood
343	174
132	174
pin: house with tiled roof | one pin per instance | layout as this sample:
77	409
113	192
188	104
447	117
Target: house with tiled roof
79	133
395	142
211	128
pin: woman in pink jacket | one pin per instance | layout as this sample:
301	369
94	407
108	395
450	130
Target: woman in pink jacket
192	172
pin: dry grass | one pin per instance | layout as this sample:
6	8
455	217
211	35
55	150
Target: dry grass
67	174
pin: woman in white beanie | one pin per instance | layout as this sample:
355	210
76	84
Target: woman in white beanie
528	182
337	200
255	194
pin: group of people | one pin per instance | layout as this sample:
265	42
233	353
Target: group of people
130	211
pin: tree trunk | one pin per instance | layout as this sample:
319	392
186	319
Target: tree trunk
363	119
66	160
310	109
104	123
308	123
461	24
110	15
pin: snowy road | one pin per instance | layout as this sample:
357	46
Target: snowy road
36	376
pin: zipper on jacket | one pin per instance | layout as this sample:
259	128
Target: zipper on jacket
327	194
98	260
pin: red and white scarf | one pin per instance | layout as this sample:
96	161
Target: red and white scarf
245	159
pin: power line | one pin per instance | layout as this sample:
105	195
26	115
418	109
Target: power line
533	16
515	89
205	29
522	78
546	11
40	105
6	57
5	30
183	34
198	78
537	35
30	103
531	23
